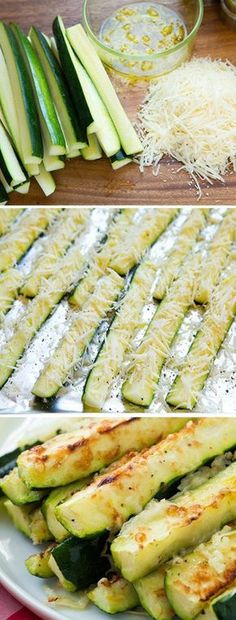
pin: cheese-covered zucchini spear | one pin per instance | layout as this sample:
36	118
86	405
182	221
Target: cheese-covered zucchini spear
113	497
10	282
8	216
114	595
30	521
152	594
75	455
164	528
17	491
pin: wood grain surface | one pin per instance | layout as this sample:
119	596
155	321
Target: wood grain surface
95	182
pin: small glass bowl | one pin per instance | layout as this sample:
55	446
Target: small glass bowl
228	8
95	12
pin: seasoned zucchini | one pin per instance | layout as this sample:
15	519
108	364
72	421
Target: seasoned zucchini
144	373
183	244
61	236
201	575
218	253
152	595
39	531
105	442
139	237
38	311
56	497
10	283
113	497
29	520
79	563
17	491
38	566
118	338
16	243
114	595
81	330
189	382
164	528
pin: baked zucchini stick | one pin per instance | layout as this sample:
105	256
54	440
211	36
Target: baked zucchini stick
166	527
10	282
7	217
118	339
18	241
111	499
73	344
143	376
61	236
38	311
184	243
218	253
114	596
152	595
140	237
104	441
187	386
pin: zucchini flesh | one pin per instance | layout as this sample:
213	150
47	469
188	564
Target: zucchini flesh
56	497
139	237
79	563
23	188
120	159
61	236
105	441
117	341
114	596
29	520
102	258
38	566
112	498
95	69
93	151
152	595
202	574
166	527
52	163
59	90
45	180
17	491
16	243
73	344
216	258
10	283
140	384
38	311
188	384
31	148
184	243
9	161
67	59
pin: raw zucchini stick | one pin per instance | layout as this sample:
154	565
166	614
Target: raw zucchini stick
16	243
30	521
152	595
9	162
120	159
139	237
45	180
101	260
202	574
105	441
38	566
117	341
38	310
187	386
112	498
8	216
3	194
164	528
140	385
93	151
53	162
10	283
114	595
218	253
183	244
56	497
95	69
17	491
81	330
61	236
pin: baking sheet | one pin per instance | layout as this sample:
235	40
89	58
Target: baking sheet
218	395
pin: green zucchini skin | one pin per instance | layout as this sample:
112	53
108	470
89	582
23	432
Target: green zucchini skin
37	564
114	595
82	562
8	460
225	606
3	194
16	490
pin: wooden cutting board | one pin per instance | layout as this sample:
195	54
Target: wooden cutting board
95	182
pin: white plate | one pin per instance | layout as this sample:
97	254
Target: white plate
15	548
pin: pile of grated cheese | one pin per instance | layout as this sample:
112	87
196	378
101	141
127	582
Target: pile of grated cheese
190	114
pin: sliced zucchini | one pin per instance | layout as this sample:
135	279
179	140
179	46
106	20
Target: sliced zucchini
38	311
3	194
67	59
93	151
123	328
9	162
23	188
95	69
53	162
187	386
202	574
38	566
16	243
79	563
56	497
112	498
105	441
120	159
10	283
101	261
31	148
81	330
166	527
139	237
46	181
8	110
152	595
74	154
61	236
17	491
183	244
29	520
59	89
218	253
144	373
114	595
39	531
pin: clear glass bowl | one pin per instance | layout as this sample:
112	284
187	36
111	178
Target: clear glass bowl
95	12
229	13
